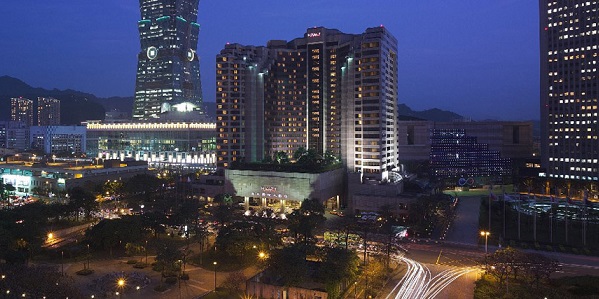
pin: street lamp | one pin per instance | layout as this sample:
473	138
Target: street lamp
146	250
486	235
214	263
262	255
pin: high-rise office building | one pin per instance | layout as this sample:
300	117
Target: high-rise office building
21	110
168	68
569	41
48	112
327	91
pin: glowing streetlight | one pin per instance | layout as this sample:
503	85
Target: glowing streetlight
121	282
214	263
486	235
50	236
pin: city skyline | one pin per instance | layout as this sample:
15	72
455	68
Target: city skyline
462	56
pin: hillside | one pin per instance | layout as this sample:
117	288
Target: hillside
79	106
75	106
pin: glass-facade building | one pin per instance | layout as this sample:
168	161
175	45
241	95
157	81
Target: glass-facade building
182	143
569	44
168	69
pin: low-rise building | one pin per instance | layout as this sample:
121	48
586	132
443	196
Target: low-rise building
27	175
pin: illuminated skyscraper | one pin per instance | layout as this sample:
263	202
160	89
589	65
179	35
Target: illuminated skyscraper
327	91
569	41
21	109
168	68
48	112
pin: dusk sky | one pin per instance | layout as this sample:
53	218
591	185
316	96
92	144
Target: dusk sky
477	58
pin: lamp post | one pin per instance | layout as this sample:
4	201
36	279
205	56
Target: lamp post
486	235
87	256
214	263
146	250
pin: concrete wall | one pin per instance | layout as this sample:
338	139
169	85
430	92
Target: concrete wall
284	185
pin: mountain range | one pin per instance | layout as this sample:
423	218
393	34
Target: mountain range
77	106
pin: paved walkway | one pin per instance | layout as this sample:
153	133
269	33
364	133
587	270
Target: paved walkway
464	228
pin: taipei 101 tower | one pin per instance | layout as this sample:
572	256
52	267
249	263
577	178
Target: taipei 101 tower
168	70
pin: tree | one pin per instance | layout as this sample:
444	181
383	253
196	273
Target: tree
22	231
540	267
338	267
6	190
167	256
299	153
234	281
302	222
110	232
290	264
81	199
281	157
330	158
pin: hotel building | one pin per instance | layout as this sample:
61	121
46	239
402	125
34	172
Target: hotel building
326	91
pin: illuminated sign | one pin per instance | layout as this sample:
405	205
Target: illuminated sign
269	192
268	189
314	34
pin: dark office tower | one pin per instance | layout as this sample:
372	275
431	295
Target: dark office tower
168	68
569	41
21	109
327	91
48	112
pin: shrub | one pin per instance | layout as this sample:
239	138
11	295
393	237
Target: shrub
140	265
184	276
132	262
160	288
171	280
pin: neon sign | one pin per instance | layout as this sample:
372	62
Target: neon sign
314	34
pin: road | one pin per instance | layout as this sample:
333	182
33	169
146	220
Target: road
464	227
420	282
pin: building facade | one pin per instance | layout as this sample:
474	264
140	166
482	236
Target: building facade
26	177
21	110
64	140
14	135
456	157
168	68
512	139
185	143
48	112
326	91
569	42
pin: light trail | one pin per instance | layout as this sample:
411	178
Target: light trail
417	283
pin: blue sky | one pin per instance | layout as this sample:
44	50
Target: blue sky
477	58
